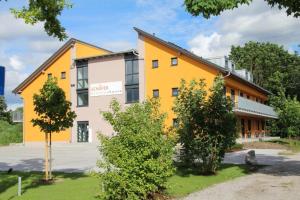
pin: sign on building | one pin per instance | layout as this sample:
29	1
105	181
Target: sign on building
2	80
105	89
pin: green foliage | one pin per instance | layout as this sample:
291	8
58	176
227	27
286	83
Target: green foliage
210	8
10	133
207	125
4	114
46	11
138	159
53	110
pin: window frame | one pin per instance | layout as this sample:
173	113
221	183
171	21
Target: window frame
153	66
49	75
87	127
133	85
79	92
174	58
81	66
63	75
177	91
153	92
175	123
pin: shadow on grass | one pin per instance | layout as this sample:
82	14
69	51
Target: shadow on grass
32	177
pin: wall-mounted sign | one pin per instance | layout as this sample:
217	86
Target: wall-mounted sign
107	88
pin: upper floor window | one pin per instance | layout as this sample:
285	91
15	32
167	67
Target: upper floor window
174	92
132	80
154	63
82	76
248	97
156	93
232	95
174	61
82	98
49	75
63	75
241	94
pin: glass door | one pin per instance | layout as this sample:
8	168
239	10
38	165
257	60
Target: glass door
82	131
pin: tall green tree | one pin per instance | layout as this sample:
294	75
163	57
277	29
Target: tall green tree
210	8
5	115
206	124
53	115
264	59
47	12
137	160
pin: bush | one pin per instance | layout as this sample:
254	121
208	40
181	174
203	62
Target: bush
10	133
138	159
207	124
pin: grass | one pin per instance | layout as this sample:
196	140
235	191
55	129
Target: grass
82	186
186	181
10	133
291	144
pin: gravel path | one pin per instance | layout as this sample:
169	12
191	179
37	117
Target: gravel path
280	181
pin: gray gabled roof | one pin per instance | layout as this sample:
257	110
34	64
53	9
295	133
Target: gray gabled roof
202	60
131	51
50	60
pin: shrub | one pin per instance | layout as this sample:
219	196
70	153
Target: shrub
138	159
10	133
207	125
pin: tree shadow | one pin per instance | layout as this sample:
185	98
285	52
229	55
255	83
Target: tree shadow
30	171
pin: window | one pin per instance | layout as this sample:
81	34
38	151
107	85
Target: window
154	63
174	92
262	124
156	93
257	121
82	76
241	94
82	98
232	95
132	81
174	61
63	75
175	122
83	131
249	125
248	97
49	75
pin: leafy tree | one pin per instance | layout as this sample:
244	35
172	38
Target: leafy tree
54	114
207	124
138	159
264	59
5	115
46	11
210	8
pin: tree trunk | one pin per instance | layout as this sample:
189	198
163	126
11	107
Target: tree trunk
46	157
50	157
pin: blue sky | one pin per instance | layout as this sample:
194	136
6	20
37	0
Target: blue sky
109	23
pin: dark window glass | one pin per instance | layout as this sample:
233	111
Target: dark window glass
175	122
49	75
82	131
132	81
63	75
224	90
154	63
241	94
82	98
174	92
262	124
174	61
155	93
257	121
248	97
232	95
82	76
249	124
132	95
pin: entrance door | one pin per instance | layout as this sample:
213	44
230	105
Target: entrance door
243	127
82	132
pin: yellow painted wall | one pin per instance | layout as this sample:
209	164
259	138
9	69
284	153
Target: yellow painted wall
166	77
61	64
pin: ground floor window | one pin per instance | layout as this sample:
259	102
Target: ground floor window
83	131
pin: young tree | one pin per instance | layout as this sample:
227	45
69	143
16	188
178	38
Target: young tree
210	8
54	115
4	114
207	125
138	159
46	11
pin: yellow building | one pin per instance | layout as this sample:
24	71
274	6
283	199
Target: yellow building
92	76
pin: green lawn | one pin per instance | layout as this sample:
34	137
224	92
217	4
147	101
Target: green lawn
80	186
291	144
10	133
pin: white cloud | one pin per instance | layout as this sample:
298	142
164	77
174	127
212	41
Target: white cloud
258	22
16	63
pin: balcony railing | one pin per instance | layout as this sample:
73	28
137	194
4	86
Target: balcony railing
250	107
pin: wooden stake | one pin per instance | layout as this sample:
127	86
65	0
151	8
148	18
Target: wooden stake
46	157
50	157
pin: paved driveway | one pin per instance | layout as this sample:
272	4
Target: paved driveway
83	157
66	157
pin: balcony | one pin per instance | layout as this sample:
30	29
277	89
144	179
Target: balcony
248	107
